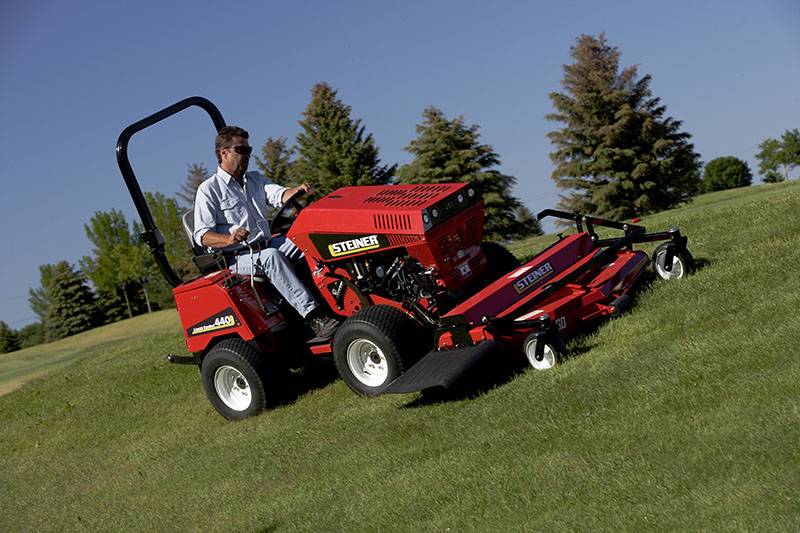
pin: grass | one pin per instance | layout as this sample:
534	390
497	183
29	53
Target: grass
682	414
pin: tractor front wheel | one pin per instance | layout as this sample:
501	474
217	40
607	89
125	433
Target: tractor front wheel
373	347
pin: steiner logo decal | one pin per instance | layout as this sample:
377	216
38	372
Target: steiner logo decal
224	320
532	278
334	245
352	246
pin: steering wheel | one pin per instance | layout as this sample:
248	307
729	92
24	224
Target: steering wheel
285	216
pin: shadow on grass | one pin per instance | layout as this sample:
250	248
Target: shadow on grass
494	372
315	375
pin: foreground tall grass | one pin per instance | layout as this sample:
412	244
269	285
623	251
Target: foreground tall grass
682	414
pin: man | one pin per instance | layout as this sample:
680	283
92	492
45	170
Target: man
229	216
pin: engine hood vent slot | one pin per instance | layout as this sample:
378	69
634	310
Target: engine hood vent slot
408	196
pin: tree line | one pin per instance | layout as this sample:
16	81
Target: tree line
616	154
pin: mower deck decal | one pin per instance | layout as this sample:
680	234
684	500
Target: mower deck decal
222	320
535	276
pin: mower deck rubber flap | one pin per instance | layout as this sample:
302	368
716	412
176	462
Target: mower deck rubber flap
440	368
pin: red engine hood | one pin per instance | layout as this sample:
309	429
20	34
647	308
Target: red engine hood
370	208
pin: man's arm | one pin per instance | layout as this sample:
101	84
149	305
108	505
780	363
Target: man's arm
212	239
291	191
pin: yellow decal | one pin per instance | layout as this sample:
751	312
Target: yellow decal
219	323
353	246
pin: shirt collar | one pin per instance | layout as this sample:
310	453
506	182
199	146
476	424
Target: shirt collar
224	175
228	177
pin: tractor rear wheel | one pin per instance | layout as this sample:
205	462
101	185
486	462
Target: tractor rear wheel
374	346
236	379
682	263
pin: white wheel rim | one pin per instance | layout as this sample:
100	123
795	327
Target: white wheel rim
548	356
677	267
232	388
367	362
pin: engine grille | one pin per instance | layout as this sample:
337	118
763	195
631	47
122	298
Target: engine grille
392	221
402	240
407	197
460	232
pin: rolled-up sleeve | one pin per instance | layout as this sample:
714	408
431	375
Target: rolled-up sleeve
274	192
204	217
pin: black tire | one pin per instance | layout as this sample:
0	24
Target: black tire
237	380
374	346
682	265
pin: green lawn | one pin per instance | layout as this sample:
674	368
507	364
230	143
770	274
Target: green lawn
682	414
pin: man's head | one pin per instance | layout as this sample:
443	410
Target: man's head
233	150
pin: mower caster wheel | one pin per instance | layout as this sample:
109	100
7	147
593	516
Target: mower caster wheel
551	354
682	263
373	347
236	379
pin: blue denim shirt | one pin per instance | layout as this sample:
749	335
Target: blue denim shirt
221	205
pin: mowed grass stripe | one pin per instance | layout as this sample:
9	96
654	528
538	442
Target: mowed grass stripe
682	414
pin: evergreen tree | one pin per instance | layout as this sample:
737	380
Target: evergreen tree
777	158
617	154
117	270
726	172
525	218
333	150
277	161
196	174
39	298
8	339
448	150
72	305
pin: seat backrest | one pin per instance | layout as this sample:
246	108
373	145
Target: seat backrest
187	220
206	261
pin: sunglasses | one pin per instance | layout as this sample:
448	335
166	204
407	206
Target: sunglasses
241	149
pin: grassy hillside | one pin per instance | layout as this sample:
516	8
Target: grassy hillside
682	414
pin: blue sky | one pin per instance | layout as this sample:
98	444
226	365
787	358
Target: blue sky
76	73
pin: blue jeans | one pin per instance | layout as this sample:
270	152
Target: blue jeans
273	262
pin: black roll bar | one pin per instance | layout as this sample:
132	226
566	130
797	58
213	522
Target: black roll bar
151	236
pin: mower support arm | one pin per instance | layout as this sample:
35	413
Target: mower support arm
590	222
151	236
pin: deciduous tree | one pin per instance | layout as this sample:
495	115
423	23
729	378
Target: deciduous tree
116	268
726	172
777	158
8	339
31	335
617	154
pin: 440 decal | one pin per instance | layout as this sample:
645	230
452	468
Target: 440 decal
222	320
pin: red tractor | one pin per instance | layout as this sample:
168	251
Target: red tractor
422	298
